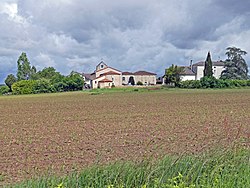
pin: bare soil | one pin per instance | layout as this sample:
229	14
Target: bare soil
61	133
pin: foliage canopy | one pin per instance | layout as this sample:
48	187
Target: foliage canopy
24	69
172	74
10	80
47	80
235	65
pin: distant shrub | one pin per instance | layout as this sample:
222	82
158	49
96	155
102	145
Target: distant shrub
23	87
60	86
139	83
208	82
43	86
4	90
192	84
72	83
211	82
32	87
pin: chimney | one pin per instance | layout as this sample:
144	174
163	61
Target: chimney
191	65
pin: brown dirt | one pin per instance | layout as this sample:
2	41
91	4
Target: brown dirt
60	133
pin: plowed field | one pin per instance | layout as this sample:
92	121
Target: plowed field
60	133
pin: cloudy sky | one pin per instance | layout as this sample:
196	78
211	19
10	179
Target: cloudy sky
129	35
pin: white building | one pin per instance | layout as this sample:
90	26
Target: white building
198	69
187	74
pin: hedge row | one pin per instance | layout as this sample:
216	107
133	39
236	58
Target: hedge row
72	83
211	82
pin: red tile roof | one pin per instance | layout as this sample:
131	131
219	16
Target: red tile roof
127	73
105	80
139	73
111	73
108	73
142	73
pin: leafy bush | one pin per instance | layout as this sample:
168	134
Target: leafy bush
208	82
57	84
23	87
4	90
32	87
211	82
73	83
192	84
43	86
139	83
60	86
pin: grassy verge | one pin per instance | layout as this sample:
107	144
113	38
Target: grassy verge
126	89
221	169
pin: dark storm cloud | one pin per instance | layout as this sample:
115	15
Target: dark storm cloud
129	35
233	6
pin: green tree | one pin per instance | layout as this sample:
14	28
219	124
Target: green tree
4	90
57	78
24	70
235	65
11	79
47	73
172	75
73	82
208	70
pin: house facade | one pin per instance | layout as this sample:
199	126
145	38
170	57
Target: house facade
187	74
146	78
196	71
107	77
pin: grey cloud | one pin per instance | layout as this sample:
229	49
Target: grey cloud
129	35
234	7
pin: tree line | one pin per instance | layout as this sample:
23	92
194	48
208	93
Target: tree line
30	81
235	73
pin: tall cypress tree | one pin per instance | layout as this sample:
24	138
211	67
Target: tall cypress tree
208	70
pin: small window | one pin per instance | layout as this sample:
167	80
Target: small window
112	79
123	78
95	82
101	66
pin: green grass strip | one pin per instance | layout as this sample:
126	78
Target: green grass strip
220	169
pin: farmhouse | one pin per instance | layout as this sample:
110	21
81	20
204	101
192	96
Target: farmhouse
195	71
187	73
107	77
